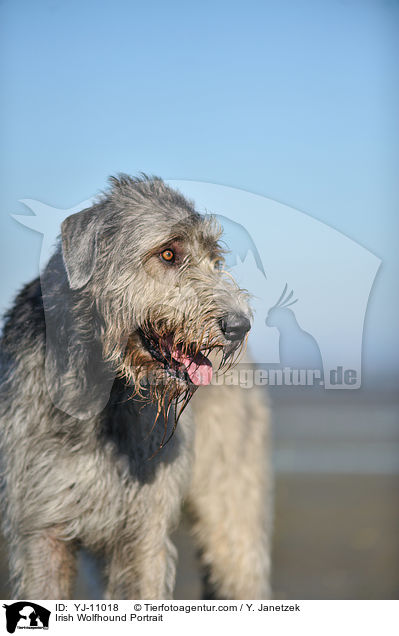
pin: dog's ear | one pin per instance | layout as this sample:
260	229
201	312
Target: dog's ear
79	245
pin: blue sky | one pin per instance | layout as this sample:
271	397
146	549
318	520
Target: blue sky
294	100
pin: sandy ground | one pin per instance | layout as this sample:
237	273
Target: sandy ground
335	537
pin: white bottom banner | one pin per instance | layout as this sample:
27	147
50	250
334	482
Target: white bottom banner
156	617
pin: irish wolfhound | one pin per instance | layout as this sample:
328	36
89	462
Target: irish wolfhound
100	357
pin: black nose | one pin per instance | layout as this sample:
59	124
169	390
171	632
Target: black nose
235	326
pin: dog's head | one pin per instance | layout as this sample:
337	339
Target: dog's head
151	270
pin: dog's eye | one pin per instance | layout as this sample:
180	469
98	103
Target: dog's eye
218	264
168	256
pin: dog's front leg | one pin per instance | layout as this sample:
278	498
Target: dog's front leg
43	566
230	493
144	569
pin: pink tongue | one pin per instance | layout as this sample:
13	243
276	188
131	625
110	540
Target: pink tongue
198	368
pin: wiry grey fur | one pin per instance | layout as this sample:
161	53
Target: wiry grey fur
84	455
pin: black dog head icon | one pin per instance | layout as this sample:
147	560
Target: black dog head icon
29	613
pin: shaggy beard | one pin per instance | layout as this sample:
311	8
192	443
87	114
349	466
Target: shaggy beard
151	382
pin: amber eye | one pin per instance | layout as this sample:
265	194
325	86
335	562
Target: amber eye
168	256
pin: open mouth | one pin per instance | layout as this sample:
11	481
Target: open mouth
187	364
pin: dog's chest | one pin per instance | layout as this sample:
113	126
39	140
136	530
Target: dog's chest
146	449
129	474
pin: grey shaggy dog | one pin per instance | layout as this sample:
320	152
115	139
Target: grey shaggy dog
101	441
